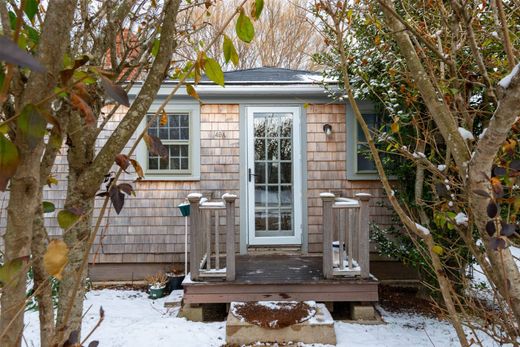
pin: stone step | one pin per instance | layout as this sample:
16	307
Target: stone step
317	329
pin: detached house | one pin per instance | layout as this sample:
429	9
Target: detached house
288	158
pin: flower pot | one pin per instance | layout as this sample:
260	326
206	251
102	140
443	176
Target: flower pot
174	282
156	292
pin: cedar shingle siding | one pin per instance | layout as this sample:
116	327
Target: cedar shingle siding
150	229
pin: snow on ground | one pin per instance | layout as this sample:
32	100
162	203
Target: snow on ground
131	319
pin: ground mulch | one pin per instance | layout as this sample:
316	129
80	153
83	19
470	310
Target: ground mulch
284	315
399	299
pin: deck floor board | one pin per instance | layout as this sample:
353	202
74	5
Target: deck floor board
281	277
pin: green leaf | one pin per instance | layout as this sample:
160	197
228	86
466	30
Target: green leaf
9	160
244	28
10	269
155	47
31	8
214	71
230	53
48	207
32	125
32	34
66	219
257	9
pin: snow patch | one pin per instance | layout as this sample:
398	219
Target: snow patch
506	81
441	167
461	218
466	134
422	229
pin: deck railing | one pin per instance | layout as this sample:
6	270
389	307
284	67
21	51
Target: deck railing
346	219
205	235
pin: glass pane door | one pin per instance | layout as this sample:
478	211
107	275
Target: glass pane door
273	179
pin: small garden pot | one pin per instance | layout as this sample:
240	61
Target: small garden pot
174	282
156	292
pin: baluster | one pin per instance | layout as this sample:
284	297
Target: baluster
351	226
217	240
355	235
208	239
341	238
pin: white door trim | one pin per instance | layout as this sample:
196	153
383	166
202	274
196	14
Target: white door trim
297	178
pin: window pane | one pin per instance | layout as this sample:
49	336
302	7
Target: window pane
260	222
184	120
183	150
174	151
285	172
272	149
260	195
272	172
286	220
272	196
259	124
184	134
174	164
260	172
184	164
259	149
285	149
174	133
163	164
273	129
286	196
363	163
286	126
273	217
163	133
153	163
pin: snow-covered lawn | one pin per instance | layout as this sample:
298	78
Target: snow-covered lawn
131	319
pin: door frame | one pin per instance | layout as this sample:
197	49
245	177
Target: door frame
299	205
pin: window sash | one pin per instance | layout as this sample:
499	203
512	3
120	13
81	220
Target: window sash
169	142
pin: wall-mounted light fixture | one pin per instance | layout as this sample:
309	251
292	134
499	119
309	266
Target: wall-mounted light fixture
327	129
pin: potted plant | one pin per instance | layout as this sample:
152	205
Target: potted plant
157	285
175	278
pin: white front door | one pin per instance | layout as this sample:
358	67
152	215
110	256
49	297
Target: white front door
274	178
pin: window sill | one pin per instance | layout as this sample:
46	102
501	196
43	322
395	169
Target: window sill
164	178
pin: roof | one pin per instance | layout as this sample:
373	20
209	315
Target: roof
268	83
269	75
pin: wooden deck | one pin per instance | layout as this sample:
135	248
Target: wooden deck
281	277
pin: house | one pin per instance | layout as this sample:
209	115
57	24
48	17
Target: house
271	137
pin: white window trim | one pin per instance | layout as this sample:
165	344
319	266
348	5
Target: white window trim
193	110
352	131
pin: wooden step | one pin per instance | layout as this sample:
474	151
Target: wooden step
318	329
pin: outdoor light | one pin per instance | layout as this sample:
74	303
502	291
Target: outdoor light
327	129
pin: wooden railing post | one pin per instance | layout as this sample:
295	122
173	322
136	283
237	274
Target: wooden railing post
230	235
363	236
194	199
328	222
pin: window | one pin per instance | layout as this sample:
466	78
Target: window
359	165
175	135
181	136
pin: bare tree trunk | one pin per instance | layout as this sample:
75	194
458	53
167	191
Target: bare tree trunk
86	174
44	289
506	276
25	184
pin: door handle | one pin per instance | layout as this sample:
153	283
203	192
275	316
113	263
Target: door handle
250	174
